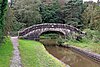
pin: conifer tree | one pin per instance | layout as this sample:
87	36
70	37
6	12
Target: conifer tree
3	9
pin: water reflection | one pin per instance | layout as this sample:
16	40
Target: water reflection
69	57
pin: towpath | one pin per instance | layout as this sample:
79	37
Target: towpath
16	59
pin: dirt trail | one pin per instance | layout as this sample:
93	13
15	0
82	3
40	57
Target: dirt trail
16	59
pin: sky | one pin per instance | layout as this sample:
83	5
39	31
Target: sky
8	0
83	0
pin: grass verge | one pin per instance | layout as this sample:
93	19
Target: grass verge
6	53
87	45
34	54
90	41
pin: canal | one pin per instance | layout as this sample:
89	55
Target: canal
69	57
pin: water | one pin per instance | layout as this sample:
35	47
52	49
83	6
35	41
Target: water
70	58
67	56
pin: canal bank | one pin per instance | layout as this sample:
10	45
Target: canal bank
34	54
93	56
71	55
71	58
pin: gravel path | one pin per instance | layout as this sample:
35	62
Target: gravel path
16	59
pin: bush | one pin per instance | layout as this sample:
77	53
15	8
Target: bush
60	41
92	35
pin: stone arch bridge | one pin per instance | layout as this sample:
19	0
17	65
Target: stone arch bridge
33	32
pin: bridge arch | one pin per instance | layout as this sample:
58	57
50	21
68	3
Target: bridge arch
33	32
53	31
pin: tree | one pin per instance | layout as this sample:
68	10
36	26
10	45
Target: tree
51	12
11	23
91	17
87	15
3	9
72	12
96	19
27	12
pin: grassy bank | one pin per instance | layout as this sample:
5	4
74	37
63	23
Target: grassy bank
87	45
90	42
34	54
6	53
